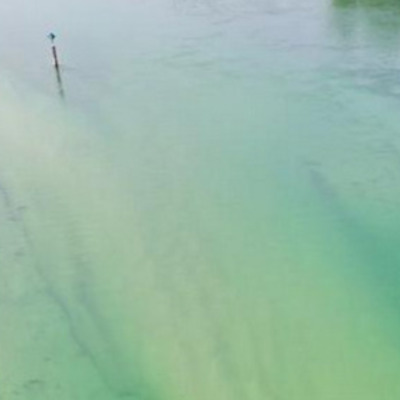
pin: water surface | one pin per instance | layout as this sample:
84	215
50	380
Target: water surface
211	212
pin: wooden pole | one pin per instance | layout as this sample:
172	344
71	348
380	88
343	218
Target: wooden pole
60	83
52	37
55	57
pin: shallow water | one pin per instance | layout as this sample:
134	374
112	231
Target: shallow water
211	212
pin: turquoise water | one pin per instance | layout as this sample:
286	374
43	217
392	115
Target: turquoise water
211	212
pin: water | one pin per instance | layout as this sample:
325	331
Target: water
211	212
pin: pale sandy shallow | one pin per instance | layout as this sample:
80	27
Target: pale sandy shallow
223	234
160	276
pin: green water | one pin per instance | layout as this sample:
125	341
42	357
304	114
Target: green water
211	212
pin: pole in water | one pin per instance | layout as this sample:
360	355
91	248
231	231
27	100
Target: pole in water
52	38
